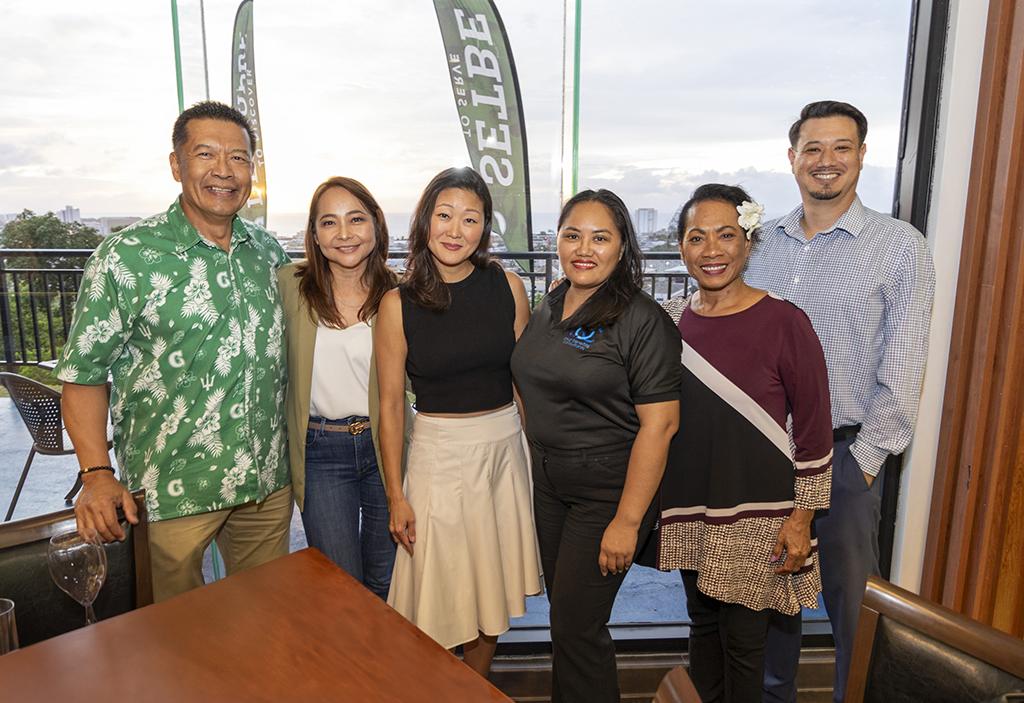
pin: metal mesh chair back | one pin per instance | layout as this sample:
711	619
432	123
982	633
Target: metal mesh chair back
39	407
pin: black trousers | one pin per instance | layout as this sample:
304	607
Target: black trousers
576	495
726	647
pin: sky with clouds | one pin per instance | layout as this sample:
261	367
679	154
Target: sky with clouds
673	94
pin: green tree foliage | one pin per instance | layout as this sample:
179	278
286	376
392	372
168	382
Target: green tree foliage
32	231
39	299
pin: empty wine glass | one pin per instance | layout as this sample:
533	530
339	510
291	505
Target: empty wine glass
78	565
8	628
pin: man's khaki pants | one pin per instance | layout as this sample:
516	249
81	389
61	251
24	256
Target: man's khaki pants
247	535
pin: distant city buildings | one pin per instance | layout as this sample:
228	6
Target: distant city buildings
673	224
291	242
646	220
69	214
545	241
109	225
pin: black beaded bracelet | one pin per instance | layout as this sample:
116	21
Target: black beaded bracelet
89	470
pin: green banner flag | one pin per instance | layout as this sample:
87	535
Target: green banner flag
243	90
487	98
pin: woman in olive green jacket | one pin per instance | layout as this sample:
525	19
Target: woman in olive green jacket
330	301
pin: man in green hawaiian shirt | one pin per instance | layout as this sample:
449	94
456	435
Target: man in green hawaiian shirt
182	312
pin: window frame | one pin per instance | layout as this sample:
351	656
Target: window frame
926	49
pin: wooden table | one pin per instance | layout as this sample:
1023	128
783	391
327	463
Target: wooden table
296	629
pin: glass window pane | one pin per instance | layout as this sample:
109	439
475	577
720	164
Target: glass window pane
679	94
672	95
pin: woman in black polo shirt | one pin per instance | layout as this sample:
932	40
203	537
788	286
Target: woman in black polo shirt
598	372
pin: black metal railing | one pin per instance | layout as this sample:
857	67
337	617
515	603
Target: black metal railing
38	289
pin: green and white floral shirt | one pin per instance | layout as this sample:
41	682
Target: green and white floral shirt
192	339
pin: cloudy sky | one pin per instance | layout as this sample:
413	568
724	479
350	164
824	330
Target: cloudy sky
673	94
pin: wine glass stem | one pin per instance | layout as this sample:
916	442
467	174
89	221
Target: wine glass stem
90	615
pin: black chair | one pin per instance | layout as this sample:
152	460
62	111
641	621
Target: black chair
909	649
41	609
39	407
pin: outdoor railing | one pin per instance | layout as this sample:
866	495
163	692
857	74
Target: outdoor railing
38	288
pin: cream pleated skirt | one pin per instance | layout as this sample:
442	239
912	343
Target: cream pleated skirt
476	557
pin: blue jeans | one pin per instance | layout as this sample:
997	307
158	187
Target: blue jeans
345	512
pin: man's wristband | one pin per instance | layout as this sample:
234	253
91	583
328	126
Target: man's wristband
91	469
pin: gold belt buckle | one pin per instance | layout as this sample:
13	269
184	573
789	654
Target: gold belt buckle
357	427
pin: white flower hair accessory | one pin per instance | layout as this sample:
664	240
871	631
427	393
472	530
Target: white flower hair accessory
750	216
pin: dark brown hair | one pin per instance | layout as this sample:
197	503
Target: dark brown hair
423	282
829	108
316	282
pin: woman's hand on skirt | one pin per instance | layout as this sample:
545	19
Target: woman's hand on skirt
795	540
402	523
618	545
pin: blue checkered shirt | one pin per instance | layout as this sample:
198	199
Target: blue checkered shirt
867	284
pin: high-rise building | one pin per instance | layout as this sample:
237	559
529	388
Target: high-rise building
646	220
69	214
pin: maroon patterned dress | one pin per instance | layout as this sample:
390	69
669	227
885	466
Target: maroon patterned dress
755	442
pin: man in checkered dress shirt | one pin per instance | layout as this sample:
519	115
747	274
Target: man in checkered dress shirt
866	281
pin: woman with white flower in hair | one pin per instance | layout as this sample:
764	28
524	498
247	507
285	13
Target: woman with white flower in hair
738	496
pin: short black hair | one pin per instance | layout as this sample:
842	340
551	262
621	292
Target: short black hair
734	195
829	108
209	110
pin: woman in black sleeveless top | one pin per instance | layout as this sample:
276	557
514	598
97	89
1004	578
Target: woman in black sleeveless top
463	515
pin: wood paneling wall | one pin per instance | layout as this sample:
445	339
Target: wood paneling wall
974	560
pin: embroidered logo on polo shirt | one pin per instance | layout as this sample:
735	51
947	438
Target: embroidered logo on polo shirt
581	338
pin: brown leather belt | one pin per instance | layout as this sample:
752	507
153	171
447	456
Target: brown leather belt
357	427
